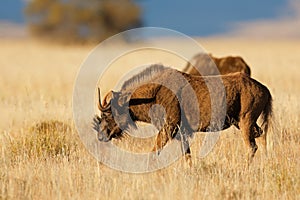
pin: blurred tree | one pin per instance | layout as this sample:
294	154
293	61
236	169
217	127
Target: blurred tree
81	21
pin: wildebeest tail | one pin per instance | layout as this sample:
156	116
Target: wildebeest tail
266	121
267	114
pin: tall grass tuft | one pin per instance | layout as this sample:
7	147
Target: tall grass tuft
44	139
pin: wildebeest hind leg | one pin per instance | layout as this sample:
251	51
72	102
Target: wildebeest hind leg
249	139
262	138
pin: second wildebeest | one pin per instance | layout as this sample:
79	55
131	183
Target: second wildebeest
206	64
245	98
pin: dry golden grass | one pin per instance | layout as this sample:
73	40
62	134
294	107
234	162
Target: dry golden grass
42	157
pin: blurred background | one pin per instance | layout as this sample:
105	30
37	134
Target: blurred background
95	20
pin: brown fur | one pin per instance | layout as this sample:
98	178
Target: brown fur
246	99
207	64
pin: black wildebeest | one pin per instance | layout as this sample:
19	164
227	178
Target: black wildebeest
207	64
245	99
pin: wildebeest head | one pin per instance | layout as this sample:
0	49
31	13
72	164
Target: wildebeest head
114	116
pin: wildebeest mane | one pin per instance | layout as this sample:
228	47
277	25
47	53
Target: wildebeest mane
143	77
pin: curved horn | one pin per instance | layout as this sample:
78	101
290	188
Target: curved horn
100	106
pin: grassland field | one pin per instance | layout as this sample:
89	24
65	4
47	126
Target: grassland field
42	156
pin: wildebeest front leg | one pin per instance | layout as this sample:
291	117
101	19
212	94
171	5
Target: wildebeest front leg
161	140
186	148
164	135
182	136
